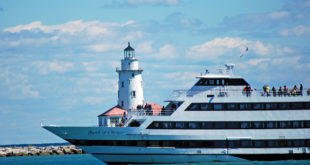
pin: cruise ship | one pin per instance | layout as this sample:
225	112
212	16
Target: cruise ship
220	118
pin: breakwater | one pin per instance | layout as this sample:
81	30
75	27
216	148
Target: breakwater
37	150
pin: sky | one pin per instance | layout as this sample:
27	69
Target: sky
58	58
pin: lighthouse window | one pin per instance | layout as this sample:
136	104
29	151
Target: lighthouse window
133	93
122	84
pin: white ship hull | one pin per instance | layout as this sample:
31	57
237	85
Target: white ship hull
94	138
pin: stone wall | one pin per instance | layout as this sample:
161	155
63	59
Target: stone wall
33	150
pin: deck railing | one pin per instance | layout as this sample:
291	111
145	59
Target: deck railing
150	112
222	92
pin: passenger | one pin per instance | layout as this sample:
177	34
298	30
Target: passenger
248	90
280	91
300	89
285	90
264	89
268	91
294	90
274	91
308	92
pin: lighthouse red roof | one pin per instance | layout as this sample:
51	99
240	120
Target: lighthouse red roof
115	111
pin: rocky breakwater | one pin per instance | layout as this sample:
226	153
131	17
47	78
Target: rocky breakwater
34	150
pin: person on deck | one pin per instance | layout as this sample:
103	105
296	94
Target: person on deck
300	89
285	90
274	93
280	91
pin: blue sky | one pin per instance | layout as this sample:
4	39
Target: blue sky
58	58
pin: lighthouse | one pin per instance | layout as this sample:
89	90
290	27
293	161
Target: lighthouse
130	90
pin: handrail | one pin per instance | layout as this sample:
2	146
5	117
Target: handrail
150	112
223	92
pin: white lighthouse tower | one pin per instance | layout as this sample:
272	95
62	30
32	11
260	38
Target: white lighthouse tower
130	91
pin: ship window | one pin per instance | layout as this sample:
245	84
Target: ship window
245	125
246	143
219	144
154	143
166	143
205	106
141	143
257	106
273	143
307	105
180	125
219	125
218	106
271	125
217	82
234	144
236	82
194	106
168	125
284	124
307	124
297	106
132	75
245	106
232	125
194	125
284	105
259	143
308	143
258	125
296	124
299	143
211	82
232	106
206	125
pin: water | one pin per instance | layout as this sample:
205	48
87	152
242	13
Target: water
86	159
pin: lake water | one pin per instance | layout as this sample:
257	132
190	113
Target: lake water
86	159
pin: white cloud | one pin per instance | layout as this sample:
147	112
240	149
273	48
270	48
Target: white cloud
105	47
77	27
165	52
145	47
258	61
54	66
133	36
233	46
279	14
153	2
299	30
18	84
181	75
93	100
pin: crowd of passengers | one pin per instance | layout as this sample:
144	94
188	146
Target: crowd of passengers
285	91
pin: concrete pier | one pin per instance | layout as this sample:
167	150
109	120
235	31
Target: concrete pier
34	150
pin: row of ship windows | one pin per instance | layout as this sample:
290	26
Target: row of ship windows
230	125
248	106
214	82
197	143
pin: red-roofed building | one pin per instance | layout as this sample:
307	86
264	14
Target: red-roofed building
111	117
156	108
